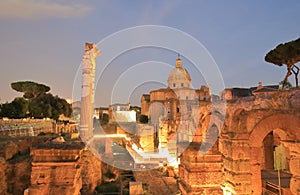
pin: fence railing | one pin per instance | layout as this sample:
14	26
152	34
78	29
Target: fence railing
270	189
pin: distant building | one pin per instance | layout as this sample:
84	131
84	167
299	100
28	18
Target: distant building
175	107
121	113
76	110
103	111
145	100
96	113
265	90
234	93
76	107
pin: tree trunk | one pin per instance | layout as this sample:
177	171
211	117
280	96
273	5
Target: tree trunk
296	78
296	72
289	73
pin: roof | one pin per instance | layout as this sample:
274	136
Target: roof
163	90
244	92
264	89
118	104
179	72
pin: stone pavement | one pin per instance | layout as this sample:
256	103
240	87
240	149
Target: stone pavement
158	184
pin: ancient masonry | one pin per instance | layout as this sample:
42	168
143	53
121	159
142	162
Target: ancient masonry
253	126
33	127
56	170
232	146
25	127
63	168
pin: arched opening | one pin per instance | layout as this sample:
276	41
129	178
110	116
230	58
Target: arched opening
264	138
209	127
269	174
270	142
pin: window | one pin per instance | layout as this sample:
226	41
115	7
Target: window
174	85
187	97
182	85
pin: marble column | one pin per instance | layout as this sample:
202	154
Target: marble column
87	91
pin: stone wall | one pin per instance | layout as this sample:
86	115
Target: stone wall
15	165
25	127
200	174
56	168
91	172
33	127
64	168
247	122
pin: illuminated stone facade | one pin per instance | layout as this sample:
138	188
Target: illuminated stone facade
173	109
243	139
121	113
56	169
146	136
200	174
232	145
253	126
63	168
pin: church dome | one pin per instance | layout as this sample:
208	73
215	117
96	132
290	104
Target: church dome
179	76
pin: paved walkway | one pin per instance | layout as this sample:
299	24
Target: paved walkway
158	184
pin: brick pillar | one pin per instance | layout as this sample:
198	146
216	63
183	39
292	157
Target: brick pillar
237	165
294	148
255	164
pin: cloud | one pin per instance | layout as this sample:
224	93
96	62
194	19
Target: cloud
155	15
40	9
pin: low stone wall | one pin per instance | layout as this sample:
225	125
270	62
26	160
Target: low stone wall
15	166
33	127
25	127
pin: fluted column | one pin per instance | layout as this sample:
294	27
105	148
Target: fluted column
87	91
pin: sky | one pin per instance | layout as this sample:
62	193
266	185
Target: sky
43	41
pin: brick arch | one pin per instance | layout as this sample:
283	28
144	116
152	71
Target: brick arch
234	121
207	122
289	123
285	125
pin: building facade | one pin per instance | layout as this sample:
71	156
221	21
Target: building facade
174	109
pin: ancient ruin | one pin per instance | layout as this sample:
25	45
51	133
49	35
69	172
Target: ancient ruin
232	151
88	91
218	150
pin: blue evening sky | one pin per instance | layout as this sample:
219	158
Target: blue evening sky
43	41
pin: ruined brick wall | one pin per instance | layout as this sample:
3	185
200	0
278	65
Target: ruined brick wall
91	172
249	120
14	165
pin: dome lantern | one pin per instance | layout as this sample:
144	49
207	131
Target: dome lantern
179	76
